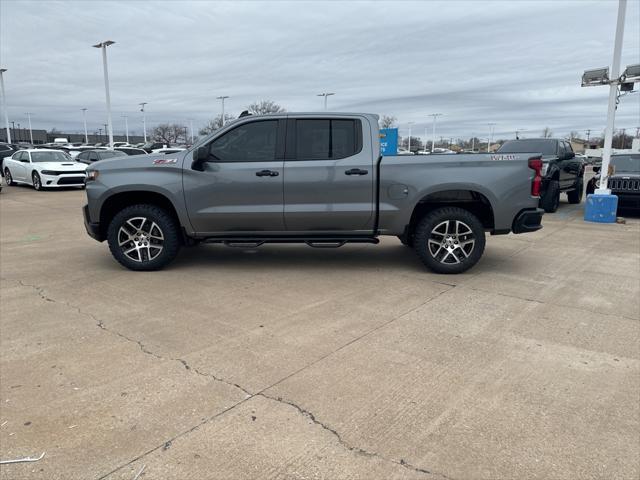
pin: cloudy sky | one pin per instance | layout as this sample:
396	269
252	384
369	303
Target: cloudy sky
515	63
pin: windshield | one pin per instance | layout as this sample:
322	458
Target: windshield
109	154
546	147
48	157
626	163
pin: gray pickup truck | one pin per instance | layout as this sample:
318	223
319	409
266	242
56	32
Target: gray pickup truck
311	178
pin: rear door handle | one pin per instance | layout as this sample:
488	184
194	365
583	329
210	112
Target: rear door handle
267	173
356	171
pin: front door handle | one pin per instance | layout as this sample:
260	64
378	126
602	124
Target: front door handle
267	173
356	171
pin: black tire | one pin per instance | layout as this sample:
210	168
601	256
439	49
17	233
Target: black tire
575	196
437	227
551	199
37	182
407	241
8	179
127	231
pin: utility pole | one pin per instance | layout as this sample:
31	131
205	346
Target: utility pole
223	98
473	142
84	118
191	128
325	95
622	138
491	125
588	135
433	130
144	121
105	134
4	104
28	114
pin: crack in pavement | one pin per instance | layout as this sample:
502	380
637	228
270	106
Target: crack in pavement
248	394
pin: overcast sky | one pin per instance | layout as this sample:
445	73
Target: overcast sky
515	63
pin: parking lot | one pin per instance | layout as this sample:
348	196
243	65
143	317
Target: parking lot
293	362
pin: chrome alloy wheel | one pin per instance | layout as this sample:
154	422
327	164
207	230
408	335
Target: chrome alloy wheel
451	241
140	239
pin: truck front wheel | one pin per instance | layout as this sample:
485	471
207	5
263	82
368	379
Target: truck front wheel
143	237
449	240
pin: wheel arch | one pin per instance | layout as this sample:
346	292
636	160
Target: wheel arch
471	200
116	202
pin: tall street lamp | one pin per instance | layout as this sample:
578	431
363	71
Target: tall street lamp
491	125
191	128
409	143
325	95
28	114
433	130
103	46
223	98
84	120
126	126
4	105
144	121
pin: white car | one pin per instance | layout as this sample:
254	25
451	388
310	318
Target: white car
43	168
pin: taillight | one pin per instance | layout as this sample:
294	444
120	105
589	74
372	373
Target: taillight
535	164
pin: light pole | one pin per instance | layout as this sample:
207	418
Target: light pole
84	119
4	105
191	128
126	126
28	114
222	97
433	130
491	125
325	95
103	46
144	121
473	143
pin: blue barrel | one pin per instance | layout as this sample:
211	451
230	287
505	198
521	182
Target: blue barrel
601	208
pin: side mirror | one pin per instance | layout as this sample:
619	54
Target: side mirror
571	155
200	155
596	169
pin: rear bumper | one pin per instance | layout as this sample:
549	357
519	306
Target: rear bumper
528	220
93	229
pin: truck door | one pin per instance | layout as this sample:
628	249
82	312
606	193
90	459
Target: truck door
239	190
329	176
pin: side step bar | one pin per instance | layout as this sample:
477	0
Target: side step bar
316	242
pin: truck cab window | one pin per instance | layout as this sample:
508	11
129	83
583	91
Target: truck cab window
251	142
320	139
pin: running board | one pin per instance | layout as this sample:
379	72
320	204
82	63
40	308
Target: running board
316	242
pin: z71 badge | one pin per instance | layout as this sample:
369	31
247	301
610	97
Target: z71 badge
503	157
165	161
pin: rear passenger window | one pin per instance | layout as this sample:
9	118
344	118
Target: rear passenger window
322	139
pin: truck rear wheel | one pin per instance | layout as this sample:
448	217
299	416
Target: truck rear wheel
449	240
575	196
143	237
550	201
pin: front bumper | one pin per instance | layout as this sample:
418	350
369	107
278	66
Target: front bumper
93	228
528	220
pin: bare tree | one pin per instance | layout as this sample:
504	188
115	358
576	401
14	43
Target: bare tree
170	133
547	133
215	124
387	121
264	106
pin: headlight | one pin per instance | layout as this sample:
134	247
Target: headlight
92	175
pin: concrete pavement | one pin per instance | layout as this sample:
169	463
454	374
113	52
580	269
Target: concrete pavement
292	362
